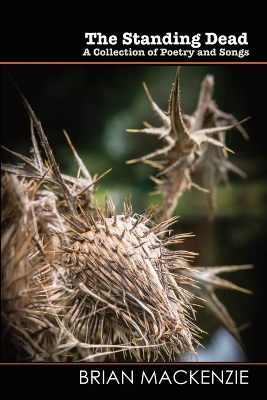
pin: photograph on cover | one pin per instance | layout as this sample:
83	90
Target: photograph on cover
133	213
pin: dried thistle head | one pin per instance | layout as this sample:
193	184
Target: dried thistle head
79	281
190	144
124	285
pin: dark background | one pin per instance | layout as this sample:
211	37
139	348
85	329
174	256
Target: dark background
95	104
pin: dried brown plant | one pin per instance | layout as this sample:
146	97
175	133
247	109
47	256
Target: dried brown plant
84	282
191	143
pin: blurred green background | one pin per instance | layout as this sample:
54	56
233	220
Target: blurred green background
95	104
